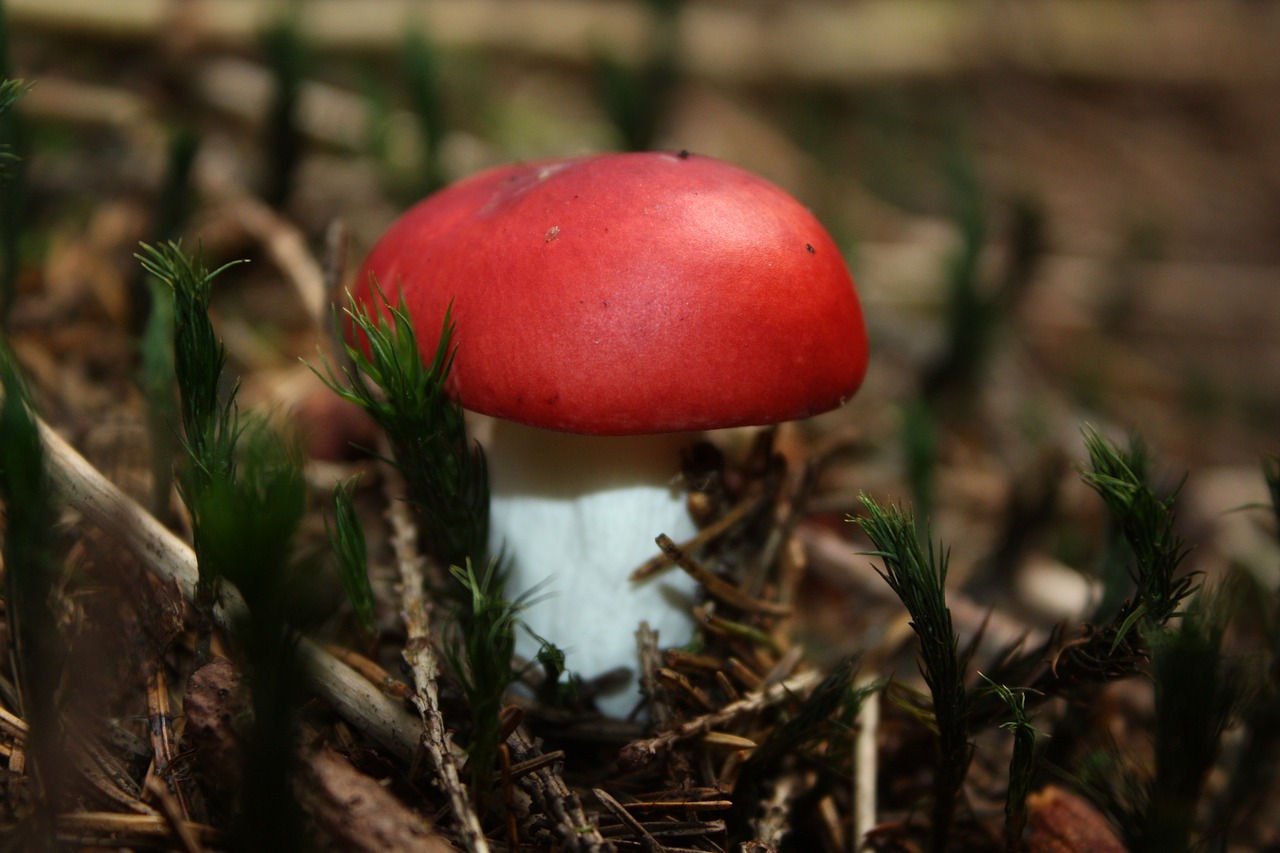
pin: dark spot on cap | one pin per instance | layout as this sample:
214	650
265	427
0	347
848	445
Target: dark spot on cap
808	248
684	154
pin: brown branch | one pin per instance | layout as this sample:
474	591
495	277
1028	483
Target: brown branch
640	753
419	654
717	587
707	534
615	808
574	830
165	555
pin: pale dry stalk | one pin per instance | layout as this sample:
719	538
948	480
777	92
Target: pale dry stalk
419	654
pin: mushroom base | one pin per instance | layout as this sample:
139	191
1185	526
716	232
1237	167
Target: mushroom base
576	514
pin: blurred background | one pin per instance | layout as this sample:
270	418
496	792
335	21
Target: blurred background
1057	212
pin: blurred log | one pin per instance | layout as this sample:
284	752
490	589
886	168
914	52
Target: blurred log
1184	42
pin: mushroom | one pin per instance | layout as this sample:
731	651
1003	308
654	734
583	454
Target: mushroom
606	308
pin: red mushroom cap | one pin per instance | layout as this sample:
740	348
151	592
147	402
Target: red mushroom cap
624	294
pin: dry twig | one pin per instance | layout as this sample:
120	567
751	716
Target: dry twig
168	557
640	753
419	654
575	831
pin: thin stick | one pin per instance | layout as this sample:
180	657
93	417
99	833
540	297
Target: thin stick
774	820
169	558
85	827
175	813
647	841
574	830
419	654
14	726
865	767
707	534
640	753
163	742
715	586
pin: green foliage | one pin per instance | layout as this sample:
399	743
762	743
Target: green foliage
559	686
446	477
1196	692
635	98
157	378
976	305
971	313
31	565
1114	784
1142	561
11	91
346	537
920	449
1146	523
1023	763
249	513
480	654
448	485
152	318
13	182
835	699
249	509
1251	769
244	488
287	56
918	577
199	357
177	194
210	422
420	65
835	694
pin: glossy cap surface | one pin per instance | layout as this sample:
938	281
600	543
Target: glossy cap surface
629	293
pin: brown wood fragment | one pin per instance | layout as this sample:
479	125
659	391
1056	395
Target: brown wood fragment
1064	822
354	812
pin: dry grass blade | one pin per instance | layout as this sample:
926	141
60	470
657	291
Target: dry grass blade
108	829
14	727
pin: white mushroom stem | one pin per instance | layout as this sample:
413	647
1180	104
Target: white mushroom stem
577	514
